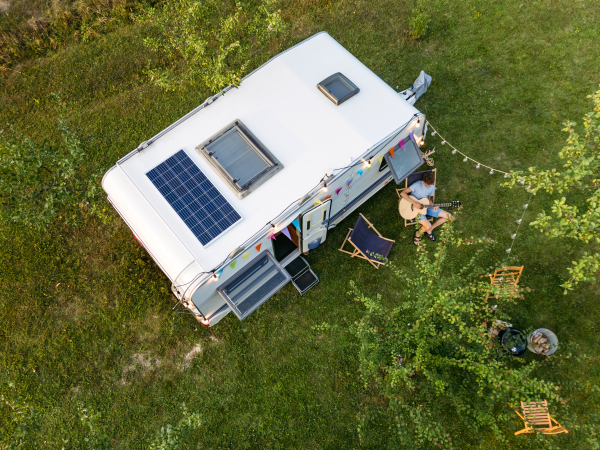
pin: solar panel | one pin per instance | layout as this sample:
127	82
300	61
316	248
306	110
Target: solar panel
193	197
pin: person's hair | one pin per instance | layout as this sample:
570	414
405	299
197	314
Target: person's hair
428	178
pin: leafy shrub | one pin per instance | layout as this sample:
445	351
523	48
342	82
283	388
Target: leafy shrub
580	177
418	22
40	183
210	42
432	360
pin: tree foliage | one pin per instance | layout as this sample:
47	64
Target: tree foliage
431	357
576	215
40	183
208	42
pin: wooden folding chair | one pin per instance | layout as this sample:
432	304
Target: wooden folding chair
506	279
367	245
413	178
535	415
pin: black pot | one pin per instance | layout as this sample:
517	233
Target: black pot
514	341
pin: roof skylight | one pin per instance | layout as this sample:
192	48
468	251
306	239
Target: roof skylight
338	88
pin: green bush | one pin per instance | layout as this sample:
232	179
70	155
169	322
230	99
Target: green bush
418	22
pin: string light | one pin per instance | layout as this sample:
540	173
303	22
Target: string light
508	250
454	151
519	221
513	236
525	205
478	166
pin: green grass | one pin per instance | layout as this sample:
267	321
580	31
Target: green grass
505	77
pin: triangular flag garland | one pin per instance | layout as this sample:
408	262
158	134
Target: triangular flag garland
369	167
380	159
287	233
392	152
245	255
219	273
327	198
401	144
360	172
232	265
296	224
272	236
318	202
258	247
412	136
337	191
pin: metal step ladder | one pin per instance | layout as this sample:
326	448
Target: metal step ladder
302	275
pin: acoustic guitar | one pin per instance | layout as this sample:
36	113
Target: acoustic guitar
410	211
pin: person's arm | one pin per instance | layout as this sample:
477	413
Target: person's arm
404	194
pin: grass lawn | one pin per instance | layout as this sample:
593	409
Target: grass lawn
85	314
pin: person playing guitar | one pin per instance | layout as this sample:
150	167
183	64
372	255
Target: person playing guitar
425	189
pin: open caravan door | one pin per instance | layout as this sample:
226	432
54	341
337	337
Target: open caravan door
313	224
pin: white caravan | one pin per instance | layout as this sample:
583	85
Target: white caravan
227	198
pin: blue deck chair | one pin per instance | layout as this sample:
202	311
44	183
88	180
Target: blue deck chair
368	245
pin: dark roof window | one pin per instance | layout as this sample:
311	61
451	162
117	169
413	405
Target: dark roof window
240	158
338	88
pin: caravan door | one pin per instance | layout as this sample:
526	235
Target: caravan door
313	225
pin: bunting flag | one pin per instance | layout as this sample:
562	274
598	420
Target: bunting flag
318	202
401	144
287	233
392	152
380	159
258	247
327	198
272	236
412	136
337	191
232	265
218	274
245	255
360	172
296	224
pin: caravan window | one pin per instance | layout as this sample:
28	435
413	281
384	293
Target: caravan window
404	161
240	158
338	88
254	285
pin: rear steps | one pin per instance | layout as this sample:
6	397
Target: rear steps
302	275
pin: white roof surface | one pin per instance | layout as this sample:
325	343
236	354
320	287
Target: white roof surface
302	128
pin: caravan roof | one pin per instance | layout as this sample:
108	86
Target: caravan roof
303	129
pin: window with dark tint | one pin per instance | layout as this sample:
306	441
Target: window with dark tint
404	161
338	88
240	158
254	285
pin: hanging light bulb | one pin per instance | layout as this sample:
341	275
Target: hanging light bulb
434	133
492	172
505	175
422	142
443	142
465	160
519	221
478	166
454	151
324	189
525	205
513	236
508	250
